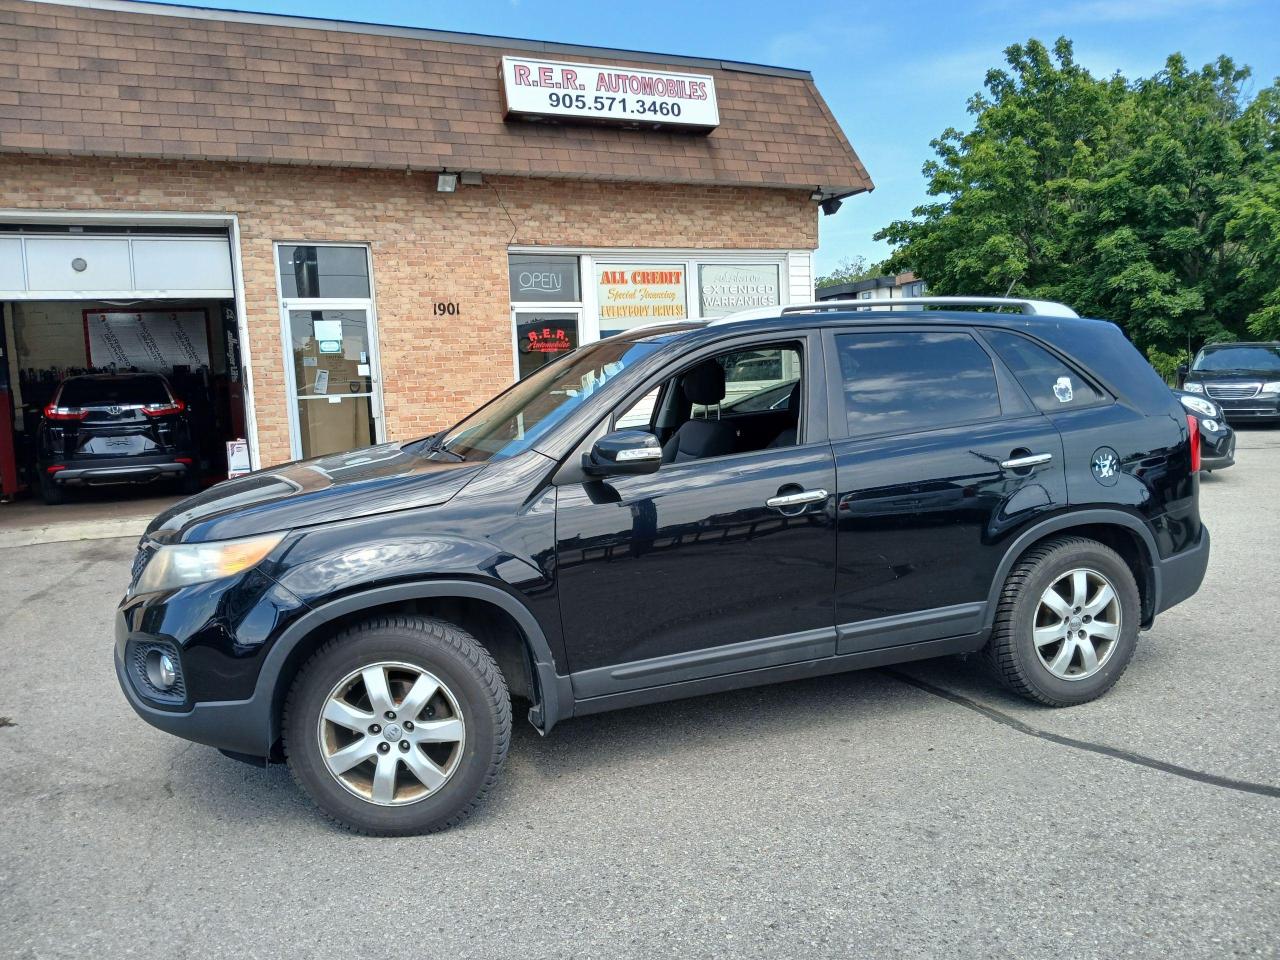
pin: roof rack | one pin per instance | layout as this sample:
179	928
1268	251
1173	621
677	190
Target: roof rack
1034	308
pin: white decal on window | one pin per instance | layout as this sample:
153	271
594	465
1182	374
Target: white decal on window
1062	390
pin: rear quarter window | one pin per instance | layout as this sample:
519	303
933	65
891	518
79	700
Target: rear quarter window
1051	383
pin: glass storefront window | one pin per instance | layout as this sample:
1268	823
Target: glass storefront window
634	294
543	279
321	272
543	335
725	288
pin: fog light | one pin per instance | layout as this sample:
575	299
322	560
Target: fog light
1209	425
162	672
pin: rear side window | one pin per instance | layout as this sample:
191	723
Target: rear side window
107	393
1051	384
907	382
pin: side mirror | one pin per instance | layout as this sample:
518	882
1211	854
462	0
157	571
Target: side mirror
1183	370
623	453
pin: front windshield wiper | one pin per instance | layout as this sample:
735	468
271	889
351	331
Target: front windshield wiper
432	445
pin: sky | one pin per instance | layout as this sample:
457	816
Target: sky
894	75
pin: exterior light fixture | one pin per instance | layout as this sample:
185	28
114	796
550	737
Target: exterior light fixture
447	183
830	206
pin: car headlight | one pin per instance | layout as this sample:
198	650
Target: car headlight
182	564
1193	387
1199	406
1272	387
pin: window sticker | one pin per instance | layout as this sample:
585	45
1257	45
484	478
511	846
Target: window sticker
1062	390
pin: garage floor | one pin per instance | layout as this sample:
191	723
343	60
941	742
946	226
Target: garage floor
92	515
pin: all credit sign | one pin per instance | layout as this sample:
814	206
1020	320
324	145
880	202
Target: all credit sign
544	89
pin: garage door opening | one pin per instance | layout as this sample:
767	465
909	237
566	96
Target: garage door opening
122	381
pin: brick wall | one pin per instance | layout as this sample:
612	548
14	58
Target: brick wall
427	247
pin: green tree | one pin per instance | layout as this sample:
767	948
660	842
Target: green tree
849	270
1152	203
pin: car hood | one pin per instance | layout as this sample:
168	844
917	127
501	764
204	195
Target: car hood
358	483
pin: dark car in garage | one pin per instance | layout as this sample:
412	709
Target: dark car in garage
107	429
1242	378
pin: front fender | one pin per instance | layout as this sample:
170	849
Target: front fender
553	698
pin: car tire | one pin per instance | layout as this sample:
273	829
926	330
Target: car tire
1040	642
50	492
471	709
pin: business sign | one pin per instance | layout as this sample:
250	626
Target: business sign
549	89
726	288
541	337
629	295
237	458
543	279
156	340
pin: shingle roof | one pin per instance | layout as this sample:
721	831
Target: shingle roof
119	78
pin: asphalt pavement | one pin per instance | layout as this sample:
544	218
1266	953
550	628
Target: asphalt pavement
917	812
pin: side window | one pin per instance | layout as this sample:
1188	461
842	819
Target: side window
907	382
640	416
1051	384
756	380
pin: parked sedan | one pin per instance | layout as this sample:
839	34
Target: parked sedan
1242	378
103	429
1217	440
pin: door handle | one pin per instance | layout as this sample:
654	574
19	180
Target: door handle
796	499
1031	460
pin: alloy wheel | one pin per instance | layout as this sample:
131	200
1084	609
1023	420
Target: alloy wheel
1077	624
391	733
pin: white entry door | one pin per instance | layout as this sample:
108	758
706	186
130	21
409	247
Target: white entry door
335	396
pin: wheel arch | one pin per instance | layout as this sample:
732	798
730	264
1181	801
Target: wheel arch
1122	532
508	630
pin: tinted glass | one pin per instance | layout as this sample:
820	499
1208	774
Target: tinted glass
324	272
117	392
1247	357
907	382
1051	384
539	279
515	419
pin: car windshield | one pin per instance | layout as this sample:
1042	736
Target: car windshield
1259	357
117	391
514	420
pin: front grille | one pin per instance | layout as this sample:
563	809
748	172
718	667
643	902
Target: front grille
1232	391
145	551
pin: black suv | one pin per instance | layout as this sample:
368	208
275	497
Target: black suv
933	482
107	428
1243	378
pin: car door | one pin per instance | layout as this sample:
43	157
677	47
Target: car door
690	572
940	458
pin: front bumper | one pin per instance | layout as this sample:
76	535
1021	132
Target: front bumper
1217	453
237	726
219	632
1260	408
1179	576
114	470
